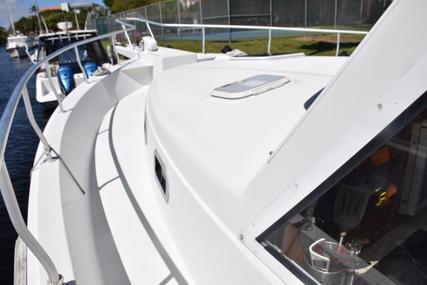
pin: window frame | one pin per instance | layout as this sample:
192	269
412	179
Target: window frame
410	113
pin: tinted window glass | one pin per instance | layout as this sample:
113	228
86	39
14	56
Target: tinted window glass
371	226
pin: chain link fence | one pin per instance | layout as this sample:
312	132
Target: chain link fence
331	14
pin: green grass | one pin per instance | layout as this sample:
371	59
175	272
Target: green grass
105	43
310	45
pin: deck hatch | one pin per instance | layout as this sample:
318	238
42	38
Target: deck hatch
251	86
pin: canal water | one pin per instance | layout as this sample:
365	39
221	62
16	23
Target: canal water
19	154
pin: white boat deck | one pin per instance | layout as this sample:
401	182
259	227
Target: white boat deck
139	255
128	195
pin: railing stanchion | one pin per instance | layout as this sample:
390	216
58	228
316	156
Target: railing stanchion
79	61
269	42
6	187
114	43
30	116
338	44
53	87
15	215
149	29
203	40
127	35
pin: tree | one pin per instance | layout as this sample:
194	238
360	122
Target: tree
123	5
30	23
33	9
3	36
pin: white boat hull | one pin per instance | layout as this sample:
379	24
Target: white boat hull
44	92
17	52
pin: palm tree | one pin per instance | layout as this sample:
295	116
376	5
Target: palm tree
35	9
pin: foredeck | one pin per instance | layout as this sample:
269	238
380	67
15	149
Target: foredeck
226	142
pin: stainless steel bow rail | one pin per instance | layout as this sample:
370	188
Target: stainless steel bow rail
270	29
6	120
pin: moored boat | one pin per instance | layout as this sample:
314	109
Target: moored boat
60	76
17	45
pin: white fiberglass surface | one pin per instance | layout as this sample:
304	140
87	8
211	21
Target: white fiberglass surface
90	256
142	262
221	144
189	238
251	86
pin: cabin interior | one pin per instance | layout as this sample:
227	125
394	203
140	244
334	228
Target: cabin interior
371	226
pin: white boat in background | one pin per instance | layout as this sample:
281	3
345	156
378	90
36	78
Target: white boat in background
17	44
61	75
233	170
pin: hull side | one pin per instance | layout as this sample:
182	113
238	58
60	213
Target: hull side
17	52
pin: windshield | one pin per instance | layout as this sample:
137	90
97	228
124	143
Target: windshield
91	52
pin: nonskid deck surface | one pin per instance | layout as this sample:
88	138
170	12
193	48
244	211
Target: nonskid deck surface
79	240
143	256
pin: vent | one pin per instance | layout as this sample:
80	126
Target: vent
251	86
160	173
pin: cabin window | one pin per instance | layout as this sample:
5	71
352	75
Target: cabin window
370	227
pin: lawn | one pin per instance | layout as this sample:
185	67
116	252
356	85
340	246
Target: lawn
310	45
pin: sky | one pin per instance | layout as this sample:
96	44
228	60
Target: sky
20	8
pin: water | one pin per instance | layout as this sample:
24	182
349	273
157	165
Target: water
19	154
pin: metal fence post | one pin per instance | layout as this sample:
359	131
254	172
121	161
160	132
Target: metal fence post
335	13
203	40
179	17
338	44
229	21
305	13
269	31
161	20
361	11
201	11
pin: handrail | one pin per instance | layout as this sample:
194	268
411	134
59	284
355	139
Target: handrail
6	186
203	27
